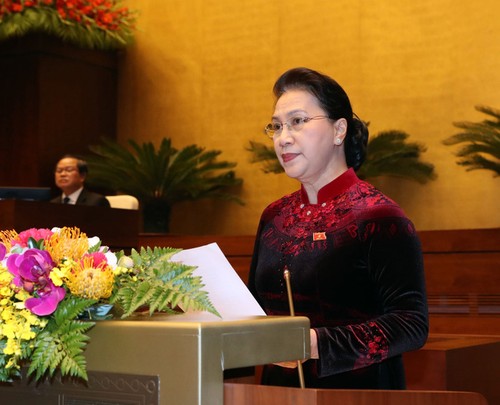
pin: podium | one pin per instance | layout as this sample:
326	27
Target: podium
167	360
117	228
244	394
190	356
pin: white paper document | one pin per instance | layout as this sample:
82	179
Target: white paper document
227	292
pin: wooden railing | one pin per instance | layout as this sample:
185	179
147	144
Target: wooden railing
462	270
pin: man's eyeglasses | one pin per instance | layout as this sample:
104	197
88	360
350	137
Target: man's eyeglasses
60	170
274	129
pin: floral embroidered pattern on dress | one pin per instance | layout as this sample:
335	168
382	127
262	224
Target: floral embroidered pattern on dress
373	344
300	222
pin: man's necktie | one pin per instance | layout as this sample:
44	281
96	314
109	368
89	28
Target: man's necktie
66	200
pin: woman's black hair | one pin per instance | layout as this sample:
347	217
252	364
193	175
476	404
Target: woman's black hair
334	100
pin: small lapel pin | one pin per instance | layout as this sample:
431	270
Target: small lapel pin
319	236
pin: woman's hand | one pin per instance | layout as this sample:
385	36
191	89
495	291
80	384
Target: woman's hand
314	344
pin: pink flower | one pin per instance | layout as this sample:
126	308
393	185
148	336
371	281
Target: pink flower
47	302
31	271
37	234
3	251
99	259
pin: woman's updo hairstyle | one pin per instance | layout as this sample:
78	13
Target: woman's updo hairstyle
333	99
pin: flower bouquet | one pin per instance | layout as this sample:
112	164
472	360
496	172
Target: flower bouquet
52	281
94	24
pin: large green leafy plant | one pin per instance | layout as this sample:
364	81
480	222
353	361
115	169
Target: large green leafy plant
480	142
389	154
160	178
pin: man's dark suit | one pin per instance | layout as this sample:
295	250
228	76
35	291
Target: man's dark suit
87	197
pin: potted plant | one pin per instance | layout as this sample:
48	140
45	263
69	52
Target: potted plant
480	142
160	178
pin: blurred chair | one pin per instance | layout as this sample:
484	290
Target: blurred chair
128	202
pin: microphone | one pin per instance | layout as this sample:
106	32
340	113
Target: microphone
286	275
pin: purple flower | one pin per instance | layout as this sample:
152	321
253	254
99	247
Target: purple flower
31	271
3	251
47	302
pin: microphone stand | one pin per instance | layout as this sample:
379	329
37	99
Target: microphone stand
286	275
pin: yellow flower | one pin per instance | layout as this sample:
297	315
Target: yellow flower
17	324
58	274
5	278
121	270
5	315
67	243
22	295
12	363
88	281
6	292
12	347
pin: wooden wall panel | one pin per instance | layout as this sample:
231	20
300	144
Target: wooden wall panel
56	99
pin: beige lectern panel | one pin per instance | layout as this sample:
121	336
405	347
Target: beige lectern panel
166	361
190	357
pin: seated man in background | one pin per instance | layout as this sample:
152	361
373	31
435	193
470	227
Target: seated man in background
70	174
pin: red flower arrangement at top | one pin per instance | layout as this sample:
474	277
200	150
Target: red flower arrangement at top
101	24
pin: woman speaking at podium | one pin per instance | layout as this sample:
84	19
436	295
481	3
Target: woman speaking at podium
354	258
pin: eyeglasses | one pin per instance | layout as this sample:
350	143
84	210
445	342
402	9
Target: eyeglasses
70	169
275	129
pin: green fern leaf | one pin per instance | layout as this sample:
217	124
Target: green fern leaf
160	300
160	285
44	355
68	309
60	345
